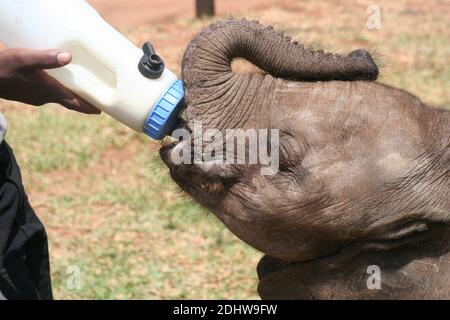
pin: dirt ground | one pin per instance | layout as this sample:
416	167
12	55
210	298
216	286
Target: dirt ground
122	15
107	202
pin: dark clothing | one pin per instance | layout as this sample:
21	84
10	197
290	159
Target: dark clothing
24	260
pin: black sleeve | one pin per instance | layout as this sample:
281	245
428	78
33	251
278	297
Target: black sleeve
24	261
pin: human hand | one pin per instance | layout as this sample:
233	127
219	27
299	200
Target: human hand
23	79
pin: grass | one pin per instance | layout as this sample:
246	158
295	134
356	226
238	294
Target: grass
107	202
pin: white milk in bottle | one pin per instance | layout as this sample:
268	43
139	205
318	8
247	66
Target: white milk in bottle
107	70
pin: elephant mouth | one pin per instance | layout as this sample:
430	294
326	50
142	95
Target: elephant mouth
169	148
179	173
165	151
169	143
190	178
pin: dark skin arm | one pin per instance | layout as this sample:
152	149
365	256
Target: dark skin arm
23	79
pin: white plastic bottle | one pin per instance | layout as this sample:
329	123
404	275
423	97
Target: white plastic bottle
107	70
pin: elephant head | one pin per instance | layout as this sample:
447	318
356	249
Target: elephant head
361	164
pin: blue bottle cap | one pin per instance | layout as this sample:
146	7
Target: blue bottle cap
164	113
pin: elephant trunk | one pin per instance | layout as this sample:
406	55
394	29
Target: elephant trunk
217	96
208	58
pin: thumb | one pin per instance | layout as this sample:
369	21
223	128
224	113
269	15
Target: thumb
36	60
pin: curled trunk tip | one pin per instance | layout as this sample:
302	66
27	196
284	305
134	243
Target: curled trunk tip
209	55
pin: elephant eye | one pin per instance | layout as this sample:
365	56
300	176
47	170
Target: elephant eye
287	152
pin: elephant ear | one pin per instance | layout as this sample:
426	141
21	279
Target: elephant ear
207	60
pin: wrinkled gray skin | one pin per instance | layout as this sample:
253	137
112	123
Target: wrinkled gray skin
363	166
420	271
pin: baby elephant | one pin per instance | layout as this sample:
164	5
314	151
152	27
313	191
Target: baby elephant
361	165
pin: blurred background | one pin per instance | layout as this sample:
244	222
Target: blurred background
115	220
